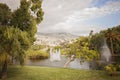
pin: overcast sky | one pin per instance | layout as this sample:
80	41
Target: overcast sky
76	16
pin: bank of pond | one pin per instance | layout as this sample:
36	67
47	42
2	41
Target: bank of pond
53	58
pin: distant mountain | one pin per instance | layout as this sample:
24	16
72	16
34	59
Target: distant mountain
54	39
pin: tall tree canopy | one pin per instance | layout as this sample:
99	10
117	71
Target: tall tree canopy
17	30
112	37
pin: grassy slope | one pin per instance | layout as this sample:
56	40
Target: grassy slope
45	73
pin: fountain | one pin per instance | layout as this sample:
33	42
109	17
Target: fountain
55	55
105	53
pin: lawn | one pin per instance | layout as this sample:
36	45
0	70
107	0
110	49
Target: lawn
47	73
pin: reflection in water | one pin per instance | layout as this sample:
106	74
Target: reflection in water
76	64
46	62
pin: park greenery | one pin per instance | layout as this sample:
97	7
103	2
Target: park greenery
80	49
112	69
17	30
37	52
88	48
112	37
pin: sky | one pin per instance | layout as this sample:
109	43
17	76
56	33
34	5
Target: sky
76	16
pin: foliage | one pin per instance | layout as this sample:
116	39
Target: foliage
4	14
36	8
37	54
14	43
112	69
25	20
17	30
17	36
81	49
112	37
37	47
96	41
58	47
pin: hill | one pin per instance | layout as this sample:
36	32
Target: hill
54	39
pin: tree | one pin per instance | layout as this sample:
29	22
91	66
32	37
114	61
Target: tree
25	20
96	42
17	31
13	44
81	49
112	37
4	14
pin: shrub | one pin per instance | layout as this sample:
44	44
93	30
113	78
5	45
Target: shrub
112	69
37	54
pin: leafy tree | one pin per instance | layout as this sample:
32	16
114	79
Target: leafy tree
96	42
14	43
112	36
81	49
17	31
25	20
113	40
4	14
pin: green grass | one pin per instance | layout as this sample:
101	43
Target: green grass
46	73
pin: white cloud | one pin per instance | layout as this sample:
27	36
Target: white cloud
72	27
74	23
56	10
89	13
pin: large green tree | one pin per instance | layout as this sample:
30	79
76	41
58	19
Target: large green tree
17	30
112	37
14	43
81	49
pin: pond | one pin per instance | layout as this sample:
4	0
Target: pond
48	63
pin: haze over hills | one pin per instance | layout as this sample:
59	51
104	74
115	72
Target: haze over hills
54	39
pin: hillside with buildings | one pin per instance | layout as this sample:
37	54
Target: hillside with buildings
54	39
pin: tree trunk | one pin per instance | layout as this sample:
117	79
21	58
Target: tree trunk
112	51
4	71
12	61
67	63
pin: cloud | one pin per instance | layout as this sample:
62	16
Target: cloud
57	10
94	12
82	29
71	18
